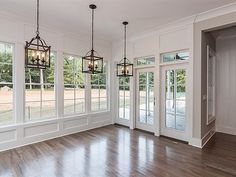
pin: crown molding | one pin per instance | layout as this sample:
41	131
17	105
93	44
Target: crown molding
223	10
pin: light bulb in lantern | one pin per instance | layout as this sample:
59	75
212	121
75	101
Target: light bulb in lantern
90	66
122	70
33	54
38	54
127	70
43	55
96	65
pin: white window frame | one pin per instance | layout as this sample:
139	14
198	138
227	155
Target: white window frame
12	120
136	66
174	62
85	90
107	90
41	96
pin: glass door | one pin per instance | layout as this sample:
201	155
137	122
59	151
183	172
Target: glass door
173	119
145	99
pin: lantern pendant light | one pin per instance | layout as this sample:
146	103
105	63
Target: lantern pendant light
37	52
125	67
92	63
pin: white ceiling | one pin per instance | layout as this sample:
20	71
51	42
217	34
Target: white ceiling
74	16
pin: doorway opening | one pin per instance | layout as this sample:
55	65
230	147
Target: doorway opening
220	84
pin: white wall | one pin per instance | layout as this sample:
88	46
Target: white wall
226	85
167	39
213	20
182	34
20	133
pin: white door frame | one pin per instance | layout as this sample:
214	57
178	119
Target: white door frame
150	128
173	133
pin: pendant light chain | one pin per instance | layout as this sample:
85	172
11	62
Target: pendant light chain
125	44
92	63
125	67
92	26
37	32
37	52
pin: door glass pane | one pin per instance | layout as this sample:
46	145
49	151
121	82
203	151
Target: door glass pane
180	115
146	97
170	120
180	99
175	93
181	76
142	103
170	103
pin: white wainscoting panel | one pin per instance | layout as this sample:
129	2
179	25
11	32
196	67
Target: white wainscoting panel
29	133
40	129
74	123
7	136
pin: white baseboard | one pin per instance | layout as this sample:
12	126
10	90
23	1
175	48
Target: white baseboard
196	142
208	136
227	130
201	142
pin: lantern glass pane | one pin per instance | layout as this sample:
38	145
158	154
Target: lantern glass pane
94	65
37	55
124	69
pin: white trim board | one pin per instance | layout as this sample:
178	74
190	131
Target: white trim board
227	130
200	143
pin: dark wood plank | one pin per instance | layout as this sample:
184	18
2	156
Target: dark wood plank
117	151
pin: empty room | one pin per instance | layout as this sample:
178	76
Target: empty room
117	88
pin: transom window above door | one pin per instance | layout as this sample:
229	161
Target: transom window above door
175	56
142	61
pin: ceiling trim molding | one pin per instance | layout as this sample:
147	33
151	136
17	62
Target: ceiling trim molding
223	10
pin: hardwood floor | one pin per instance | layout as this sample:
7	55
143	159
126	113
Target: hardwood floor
117	151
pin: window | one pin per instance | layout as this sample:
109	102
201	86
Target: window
175	56
145	61
99	90
6	83
40	92
124	98
74	85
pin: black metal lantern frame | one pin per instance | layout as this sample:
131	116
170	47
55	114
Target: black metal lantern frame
124	67
92	63
37	52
